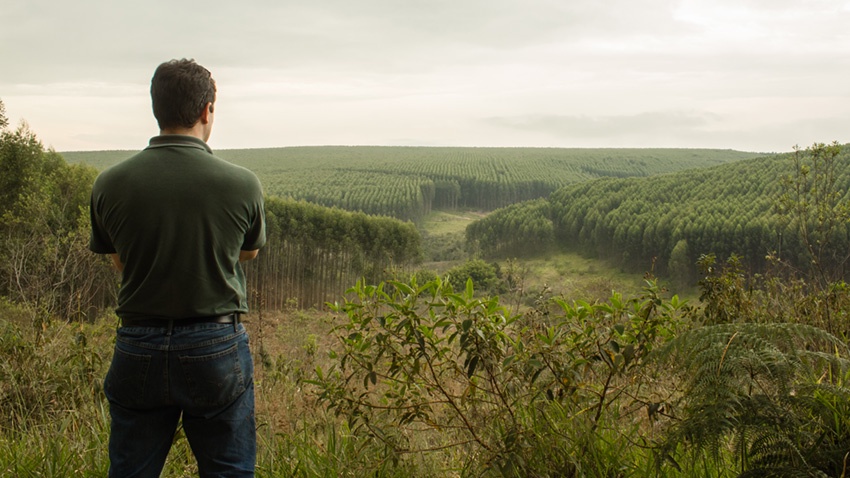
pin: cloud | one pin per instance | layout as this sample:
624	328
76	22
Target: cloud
538	69
656	124
742	130
96	36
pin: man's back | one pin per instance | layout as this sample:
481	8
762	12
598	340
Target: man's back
178	217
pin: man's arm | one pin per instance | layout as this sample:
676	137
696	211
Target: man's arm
245	256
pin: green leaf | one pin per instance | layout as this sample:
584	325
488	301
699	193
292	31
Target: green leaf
536	374
629	353
470	370
403	288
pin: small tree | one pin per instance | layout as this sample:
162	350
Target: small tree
816	210
679	267
4	121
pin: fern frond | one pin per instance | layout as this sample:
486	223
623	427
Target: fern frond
776	390
770	449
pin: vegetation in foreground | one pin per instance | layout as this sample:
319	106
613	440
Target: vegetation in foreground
409	379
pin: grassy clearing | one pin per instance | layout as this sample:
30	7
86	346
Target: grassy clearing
440	223
573	276
443	237
554	273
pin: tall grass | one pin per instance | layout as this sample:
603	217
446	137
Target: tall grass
54	419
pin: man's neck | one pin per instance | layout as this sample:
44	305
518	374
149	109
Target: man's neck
197	131
201	129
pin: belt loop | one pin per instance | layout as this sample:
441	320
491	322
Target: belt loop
235	321
170	327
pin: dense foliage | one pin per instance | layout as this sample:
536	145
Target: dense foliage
44	258
648	386
409	182
761	377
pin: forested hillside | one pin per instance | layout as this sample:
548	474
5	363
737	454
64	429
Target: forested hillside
750	208
408	182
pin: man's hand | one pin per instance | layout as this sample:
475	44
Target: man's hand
245	256
116	261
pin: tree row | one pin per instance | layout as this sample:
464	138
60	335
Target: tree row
314	253
408	182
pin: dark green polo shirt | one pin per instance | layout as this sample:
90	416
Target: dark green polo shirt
178	216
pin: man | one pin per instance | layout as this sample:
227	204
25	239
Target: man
177	221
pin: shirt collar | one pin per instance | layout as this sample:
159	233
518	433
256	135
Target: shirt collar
178	140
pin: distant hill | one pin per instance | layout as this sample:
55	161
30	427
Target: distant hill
408	182
725	209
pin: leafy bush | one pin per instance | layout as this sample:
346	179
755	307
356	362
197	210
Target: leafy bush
484	275
422	369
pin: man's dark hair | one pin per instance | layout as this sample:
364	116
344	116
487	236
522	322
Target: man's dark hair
180	89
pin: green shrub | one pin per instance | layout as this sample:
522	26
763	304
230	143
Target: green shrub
426	370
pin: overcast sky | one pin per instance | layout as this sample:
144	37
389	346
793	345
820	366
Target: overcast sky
753	75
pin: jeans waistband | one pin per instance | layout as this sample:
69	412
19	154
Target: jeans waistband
232	318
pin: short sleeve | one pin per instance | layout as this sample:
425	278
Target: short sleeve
255	237
99	242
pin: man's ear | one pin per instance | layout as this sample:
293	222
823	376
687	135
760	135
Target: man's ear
205	113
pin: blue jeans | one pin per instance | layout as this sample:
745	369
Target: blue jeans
204	372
